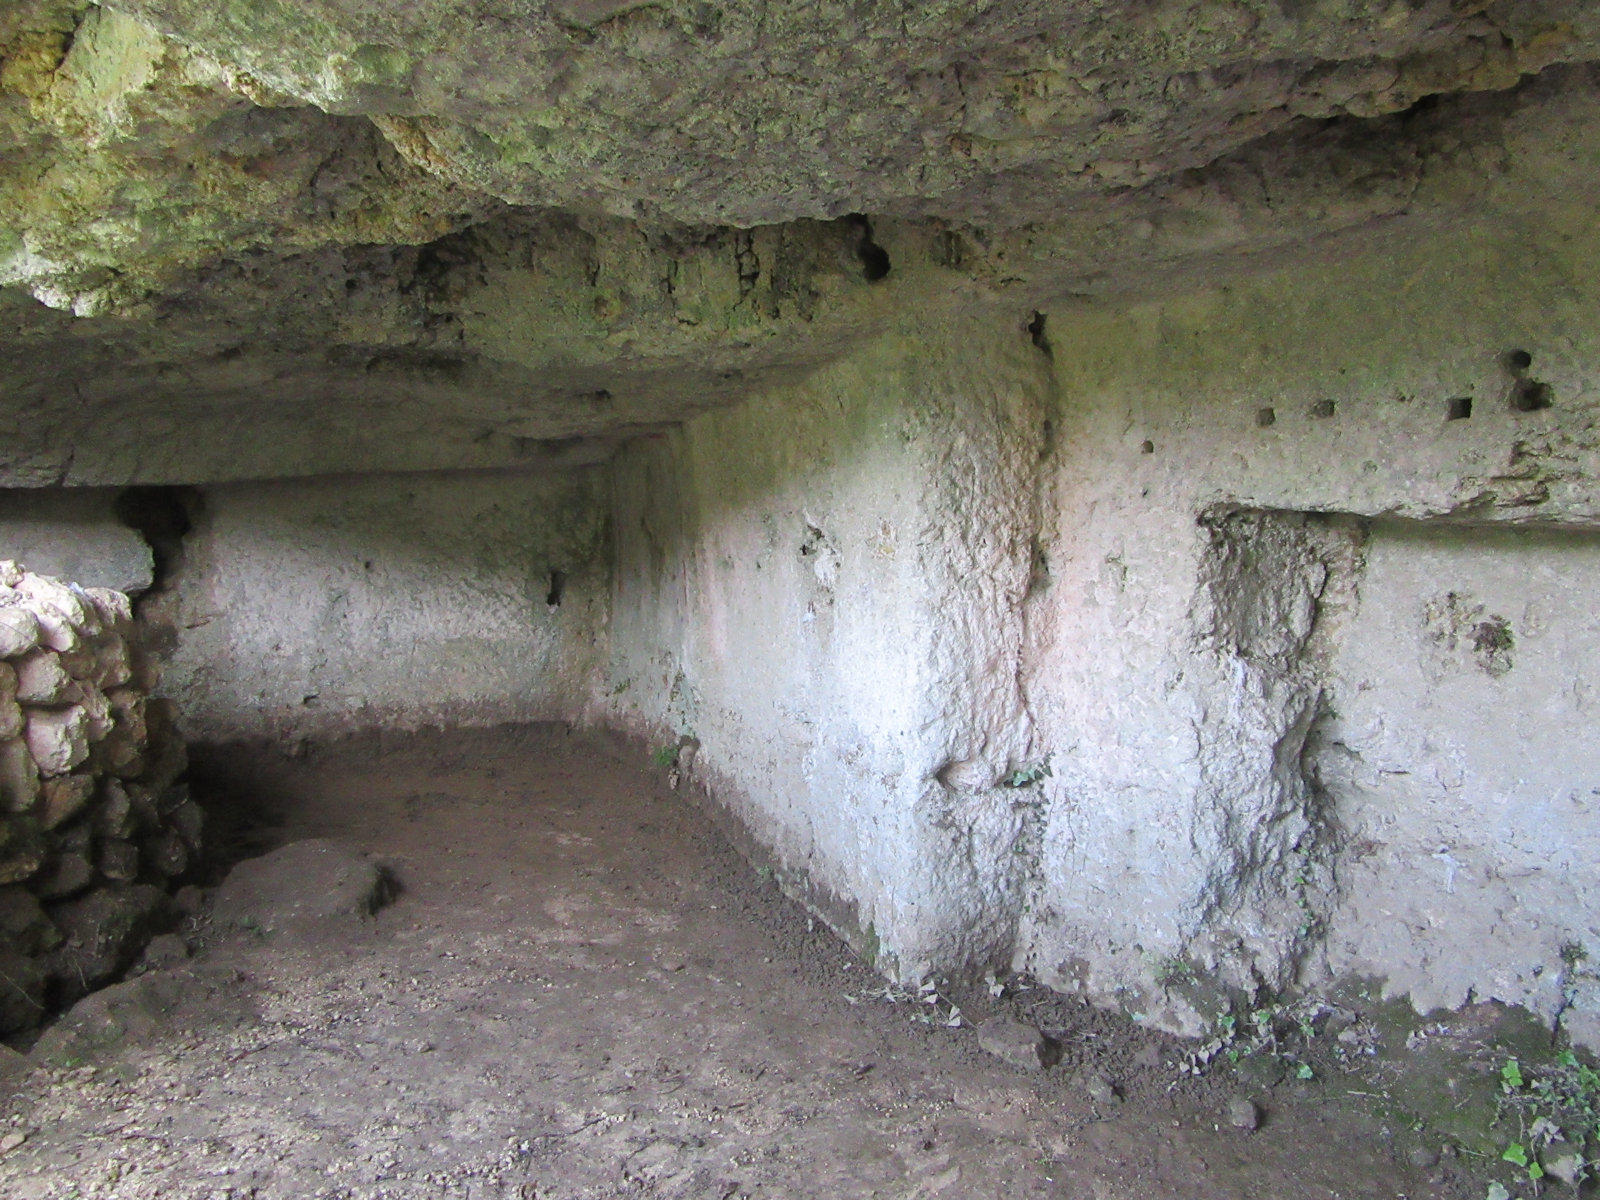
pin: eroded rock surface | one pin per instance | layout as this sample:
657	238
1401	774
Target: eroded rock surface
444	235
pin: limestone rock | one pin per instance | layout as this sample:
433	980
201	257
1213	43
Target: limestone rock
23	922
165	950
166	852
52	594
104	931
1101	1089
58	740
100	1024
19	777
113	665
113	816
12	720
1243	1113
65	796
187	820
98	720
22	850
118	860
116	612
22	999
41	679
301	884
56	629
1014	1042
19	631
67	874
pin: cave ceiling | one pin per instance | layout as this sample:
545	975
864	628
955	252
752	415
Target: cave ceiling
254	238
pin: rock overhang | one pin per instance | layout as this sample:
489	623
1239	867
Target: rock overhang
289	240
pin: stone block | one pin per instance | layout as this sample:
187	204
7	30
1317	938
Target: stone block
105	930
113	665
56	629
65	797
300	885
47	592
22	850
1021	1045
58	739
41	679
98	716
19	631
19	778
23	921
66	875
113	816
166	853
114	607
118	860
22	1001
189	823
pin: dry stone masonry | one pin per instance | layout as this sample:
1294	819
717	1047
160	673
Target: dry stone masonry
94	825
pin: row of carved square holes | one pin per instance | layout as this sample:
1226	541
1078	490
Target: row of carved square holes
1527	395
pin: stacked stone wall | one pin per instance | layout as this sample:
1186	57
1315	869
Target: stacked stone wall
94	825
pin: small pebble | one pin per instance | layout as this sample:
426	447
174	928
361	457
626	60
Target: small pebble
1012	1041
1423	1157
11	1141
1243	1113
1101	1090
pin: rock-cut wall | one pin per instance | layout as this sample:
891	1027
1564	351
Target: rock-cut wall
327	605
1225	643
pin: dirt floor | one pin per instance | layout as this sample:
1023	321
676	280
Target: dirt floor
582	990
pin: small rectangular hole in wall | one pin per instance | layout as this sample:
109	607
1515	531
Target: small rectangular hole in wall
558	584
1323	409
1458	408
1529	395
1266	416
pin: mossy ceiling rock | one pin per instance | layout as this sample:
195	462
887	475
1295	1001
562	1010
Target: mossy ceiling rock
746	113
291	238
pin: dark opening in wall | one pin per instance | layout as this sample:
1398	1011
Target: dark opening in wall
558	585
1527	394
1266	416
163	516
874	258
1530	395
1036	332
1323	409
1458	408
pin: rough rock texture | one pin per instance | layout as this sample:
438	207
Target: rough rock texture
76	536
1106	486
1269	614
826	582
93	822
296	886
439	235
401	601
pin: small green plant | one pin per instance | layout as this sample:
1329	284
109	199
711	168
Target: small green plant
666	756
1027	776
1557	1111
1517	1153
1511	1074
1169	970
